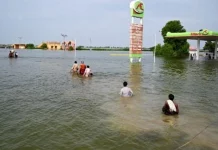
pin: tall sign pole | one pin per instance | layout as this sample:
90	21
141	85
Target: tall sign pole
64	35
75	49
136	30
20	38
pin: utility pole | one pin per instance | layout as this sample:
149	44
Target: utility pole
20	39
155	46
90	44
155	43
64	35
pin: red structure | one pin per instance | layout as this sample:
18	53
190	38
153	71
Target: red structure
66	45
136	40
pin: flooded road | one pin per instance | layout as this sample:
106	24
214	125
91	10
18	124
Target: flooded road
43	106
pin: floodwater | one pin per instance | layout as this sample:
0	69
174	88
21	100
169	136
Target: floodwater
44	107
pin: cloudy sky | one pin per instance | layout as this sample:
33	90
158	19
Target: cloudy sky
106	22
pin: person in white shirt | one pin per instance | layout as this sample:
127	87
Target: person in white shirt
75	67
87	72
126	91
15	54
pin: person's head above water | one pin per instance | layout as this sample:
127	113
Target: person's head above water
125	83
87	66
75	62
171	97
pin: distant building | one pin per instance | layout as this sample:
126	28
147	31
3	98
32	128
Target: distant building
66	45
58	45
51	45
19	46
6	46
54	45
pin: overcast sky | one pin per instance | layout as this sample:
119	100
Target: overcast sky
106	22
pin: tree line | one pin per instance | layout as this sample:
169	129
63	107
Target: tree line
100	48
171	47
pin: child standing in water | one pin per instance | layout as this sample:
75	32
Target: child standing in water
87	72
75	67
126	91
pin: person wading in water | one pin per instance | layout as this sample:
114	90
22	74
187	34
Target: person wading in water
82	68
170	107
75	67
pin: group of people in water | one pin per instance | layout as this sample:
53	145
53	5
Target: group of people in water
207	56
12	54
169	108
210	56
81	69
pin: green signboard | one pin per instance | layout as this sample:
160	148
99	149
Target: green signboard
135	55
204	32
137	9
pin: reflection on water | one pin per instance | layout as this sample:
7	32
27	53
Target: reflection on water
171	120
135	77
175	67
210	70
43	106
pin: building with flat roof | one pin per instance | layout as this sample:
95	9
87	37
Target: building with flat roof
54	45
51	45
19	46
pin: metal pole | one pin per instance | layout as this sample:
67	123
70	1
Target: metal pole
90	44
215	52
155	43
64	35
75	50
19	42
19	39
198	49
64	44
141	21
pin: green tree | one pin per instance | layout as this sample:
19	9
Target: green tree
80	47
179	46
167	50
71	48
125	49
183	51
158	50
30	46
152	48
210	46
44	46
